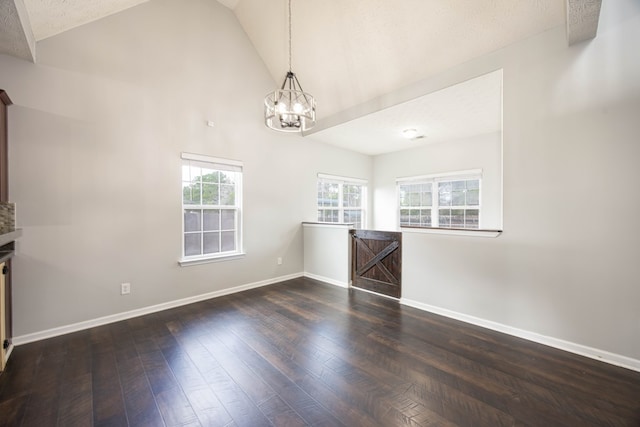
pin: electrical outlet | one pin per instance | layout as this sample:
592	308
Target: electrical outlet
279	261
125	288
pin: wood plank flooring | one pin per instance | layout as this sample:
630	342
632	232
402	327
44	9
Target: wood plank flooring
305	353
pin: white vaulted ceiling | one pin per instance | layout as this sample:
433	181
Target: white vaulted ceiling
345	52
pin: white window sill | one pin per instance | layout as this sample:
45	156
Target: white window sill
452	231
185	262
328	224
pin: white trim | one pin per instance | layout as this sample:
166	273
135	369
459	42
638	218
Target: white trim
471	173
346	225
342	178
375	293
235	167
582	350
8	352
61	330
185	262
210	159
452	231
326	280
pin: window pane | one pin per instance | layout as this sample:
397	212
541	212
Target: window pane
228	219
211	219
472	218
426	199
353	216
211	243
473	184
227	195
192	220
457	198
186	173
192	244
414	198
403	196
458	185
195	172
332	198
473	197
444	193
404	216
209	194
457	218
210	176
319	193
227	177
425	217
327	194
414	216
190	193
444	217
228	241
351	195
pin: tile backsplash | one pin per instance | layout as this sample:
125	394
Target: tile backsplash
7	217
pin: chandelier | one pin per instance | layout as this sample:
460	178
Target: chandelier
289	109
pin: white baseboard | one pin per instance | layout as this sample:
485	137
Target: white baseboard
8	353
582	350
54	332
326	280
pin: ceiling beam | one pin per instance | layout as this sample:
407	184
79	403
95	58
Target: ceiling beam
16	35
582	20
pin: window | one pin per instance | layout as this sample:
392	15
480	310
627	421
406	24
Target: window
211	206
342	200
447	201
416	201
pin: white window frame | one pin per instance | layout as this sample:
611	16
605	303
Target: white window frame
342	181
435	180
218	164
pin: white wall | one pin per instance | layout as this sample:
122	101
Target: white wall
479	152
95	139
566	265
327	253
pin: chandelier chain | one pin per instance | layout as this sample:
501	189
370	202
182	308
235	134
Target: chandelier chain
290	108
289	35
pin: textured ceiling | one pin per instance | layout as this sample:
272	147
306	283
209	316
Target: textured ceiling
51	17
466	109
16	37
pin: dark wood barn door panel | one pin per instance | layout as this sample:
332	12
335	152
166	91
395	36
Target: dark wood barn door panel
376	263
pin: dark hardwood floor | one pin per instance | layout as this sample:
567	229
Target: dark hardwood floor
305	353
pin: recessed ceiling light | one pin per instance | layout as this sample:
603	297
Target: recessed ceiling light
410	133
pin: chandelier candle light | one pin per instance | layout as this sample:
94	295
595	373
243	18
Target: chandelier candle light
289	109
